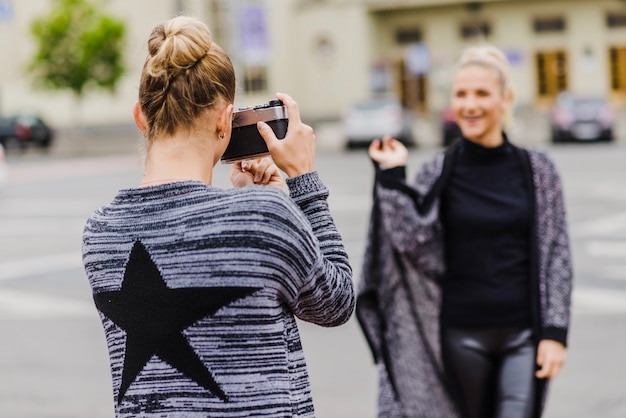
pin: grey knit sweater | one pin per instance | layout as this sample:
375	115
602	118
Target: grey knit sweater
198	289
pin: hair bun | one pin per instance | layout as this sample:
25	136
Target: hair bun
176	46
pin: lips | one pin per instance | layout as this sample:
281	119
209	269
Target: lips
471	120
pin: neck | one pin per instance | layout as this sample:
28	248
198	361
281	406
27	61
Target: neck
178	158
489	141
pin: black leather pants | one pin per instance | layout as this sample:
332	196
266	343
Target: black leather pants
491	370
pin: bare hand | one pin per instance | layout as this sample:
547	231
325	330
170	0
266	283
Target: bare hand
388	153
261	171
550	357
294	154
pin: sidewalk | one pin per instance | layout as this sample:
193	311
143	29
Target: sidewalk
530	128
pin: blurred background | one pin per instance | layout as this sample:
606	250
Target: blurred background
69	71
333	54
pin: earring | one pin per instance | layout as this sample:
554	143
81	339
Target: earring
222	135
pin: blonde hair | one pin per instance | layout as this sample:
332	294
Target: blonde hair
184	74
490	57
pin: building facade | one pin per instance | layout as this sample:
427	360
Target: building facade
330	53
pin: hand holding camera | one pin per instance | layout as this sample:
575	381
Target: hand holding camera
274	128
295	154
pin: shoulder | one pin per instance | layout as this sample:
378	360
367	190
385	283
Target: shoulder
541	162
430	170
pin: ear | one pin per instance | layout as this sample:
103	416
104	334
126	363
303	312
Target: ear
140	119
507	101
224	121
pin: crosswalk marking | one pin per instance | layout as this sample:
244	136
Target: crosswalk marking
17	304
605	225
595	300
606	248
45	264
20	304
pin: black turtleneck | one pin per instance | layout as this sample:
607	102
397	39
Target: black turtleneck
486	215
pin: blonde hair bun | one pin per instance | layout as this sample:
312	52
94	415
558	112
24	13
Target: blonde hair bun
185	73
177	45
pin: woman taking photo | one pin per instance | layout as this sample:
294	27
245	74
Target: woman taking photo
465	295
197	287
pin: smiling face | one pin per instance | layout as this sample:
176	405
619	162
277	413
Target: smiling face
479	103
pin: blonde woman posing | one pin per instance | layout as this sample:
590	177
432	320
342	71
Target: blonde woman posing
465	295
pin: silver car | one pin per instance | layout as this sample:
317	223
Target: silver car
374	118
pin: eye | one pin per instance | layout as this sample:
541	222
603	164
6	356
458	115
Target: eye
483	93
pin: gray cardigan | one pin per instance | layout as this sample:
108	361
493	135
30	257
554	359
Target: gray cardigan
399	292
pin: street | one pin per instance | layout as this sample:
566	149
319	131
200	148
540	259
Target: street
53	357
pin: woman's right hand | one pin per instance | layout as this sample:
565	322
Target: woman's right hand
294	154
388	153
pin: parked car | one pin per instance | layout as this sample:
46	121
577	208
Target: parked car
25	129
581	119
3	167
374	118
450	131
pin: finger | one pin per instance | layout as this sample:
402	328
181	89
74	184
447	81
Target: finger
245	165
261	173
549	369
293	111
236	166
266	133
268	174
375	145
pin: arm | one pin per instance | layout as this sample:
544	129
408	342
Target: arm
327	295
556	298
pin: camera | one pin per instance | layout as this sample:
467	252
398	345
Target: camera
246	141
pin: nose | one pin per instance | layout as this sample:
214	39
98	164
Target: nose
470	102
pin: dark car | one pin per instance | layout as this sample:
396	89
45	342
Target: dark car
582	119
23	130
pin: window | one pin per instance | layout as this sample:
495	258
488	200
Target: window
408	35
552	75
413	89
617	68
255	79
475	30
616	20
549	24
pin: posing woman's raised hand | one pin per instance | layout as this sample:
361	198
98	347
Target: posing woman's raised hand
388	152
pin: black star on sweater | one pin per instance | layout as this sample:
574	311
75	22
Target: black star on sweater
154	316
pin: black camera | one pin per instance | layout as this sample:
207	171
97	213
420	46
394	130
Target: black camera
246	141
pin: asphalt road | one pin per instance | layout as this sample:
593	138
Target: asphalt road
53	358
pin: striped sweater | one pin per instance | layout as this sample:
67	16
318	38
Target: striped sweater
198	289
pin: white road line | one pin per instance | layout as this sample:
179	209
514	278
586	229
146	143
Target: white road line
606	248
32	266
15	304
612	271
586	300
602	301
600	226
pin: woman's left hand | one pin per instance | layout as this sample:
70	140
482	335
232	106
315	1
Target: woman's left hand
261	171
550	358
